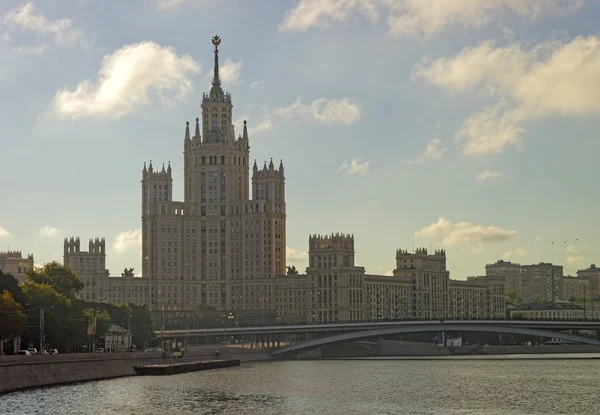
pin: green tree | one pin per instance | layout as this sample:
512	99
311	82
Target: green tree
513	298
60	277
539	300
12	318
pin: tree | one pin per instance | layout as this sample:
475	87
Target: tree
12	318
539	300
60	277
513	298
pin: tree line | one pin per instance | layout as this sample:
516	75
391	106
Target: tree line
69	323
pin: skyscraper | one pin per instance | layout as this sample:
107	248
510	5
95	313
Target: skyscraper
210	249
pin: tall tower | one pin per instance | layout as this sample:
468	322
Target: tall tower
157	190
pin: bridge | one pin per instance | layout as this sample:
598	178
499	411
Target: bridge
343	332
435	327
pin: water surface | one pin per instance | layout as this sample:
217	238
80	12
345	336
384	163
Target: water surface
461	386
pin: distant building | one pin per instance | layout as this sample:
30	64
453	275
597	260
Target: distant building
508	270
559	310
117	339
89	266
541	281
575	288
13	263
593	275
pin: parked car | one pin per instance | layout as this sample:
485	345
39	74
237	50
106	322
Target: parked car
32	350
52	351
99	350
23	352
149	349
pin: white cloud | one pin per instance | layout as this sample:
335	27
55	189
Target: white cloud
419	18
550	79
354	167
574	259
170	4
538	239
25	18
4	233
519	252
230	71
49	231
293	256
323	110
125	79
263	126
434	151
488	174
257	84
127	240
451	234
577	249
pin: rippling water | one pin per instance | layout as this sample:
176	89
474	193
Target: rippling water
485	387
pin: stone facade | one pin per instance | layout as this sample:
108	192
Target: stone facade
575	288
89	266
511	272
13	263
222	251
592	274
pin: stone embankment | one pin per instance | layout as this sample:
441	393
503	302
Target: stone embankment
24	372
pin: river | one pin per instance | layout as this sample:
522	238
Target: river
390	386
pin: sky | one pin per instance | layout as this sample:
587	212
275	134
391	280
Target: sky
467	125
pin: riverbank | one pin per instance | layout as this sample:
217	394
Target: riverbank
25	372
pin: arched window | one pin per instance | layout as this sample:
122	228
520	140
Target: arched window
222	159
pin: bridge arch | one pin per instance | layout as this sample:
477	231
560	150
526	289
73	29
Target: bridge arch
418	328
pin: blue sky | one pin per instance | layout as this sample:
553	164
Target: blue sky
468	125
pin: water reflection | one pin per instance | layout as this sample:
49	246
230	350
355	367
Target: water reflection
493	387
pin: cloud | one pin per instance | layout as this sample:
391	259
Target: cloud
293	255
127	240
25	18
419	18
520	252
452	234
322	110
538	239
125	80
577	249
488	174
230	71
170	4
4	233
49	231
257	84
574	259
551	79
434	151
354	167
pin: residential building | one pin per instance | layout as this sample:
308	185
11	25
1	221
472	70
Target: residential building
13	263
511	273
593	275
542	281
575	288
221	250
558	310
89	266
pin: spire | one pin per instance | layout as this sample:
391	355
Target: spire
150	169
216	90
255	166
271	166
245	136
169	168
163	169
281	165
197	133
187	131
265	166
145	169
